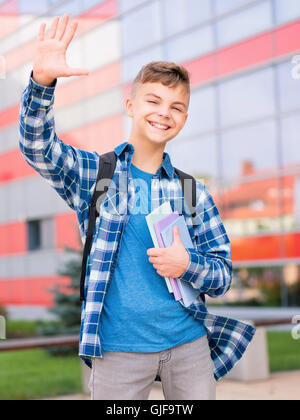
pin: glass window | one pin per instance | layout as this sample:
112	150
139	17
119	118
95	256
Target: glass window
132	65
287	10
88	4
141	28
190	45
125	5
247	97
249	150
34	235
33	7
288	87
290	129
197	157
222	6
244	24
201	113
40	234
179	15
72	8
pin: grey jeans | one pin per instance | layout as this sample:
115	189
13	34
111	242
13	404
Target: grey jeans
186	373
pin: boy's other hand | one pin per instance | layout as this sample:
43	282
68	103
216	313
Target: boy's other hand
172	261
50	57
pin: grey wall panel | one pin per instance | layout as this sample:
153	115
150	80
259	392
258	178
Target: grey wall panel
29	198
9	139
33	264
89	110
11	91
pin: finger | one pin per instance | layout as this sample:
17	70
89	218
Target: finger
62	28
41	34
52	32
154	252
76	72
69	34
156	260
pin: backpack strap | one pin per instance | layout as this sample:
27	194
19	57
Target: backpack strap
188	193
107	164
190	198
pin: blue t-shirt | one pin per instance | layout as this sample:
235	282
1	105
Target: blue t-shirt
139	313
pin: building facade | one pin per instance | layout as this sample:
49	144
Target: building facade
241	138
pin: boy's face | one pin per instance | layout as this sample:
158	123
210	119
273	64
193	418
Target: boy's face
155	104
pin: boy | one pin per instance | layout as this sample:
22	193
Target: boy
133	330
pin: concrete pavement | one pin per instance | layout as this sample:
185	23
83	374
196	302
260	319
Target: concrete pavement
280	386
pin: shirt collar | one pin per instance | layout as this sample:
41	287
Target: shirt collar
166	165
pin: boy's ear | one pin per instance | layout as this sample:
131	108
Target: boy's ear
129	107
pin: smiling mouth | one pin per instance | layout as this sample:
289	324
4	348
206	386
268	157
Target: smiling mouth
158	126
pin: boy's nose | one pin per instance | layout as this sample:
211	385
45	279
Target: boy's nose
164	113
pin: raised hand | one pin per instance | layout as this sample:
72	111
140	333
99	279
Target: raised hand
50	58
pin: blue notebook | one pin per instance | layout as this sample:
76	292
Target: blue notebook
188	293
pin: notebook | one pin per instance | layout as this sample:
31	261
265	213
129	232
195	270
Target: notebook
188	293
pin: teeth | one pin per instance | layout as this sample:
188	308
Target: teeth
162	127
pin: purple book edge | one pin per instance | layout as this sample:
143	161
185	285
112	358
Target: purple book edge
159	227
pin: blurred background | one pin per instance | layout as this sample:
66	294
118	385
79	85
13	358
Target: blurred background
241	138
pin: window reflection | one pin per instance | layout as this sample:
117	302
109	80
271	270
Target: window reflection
247	97
287	10
222	6
145	22
288	87
197	157
190	45
245	23
188	13
249	150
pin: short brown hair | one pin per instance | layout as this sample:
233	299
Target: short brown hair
165	72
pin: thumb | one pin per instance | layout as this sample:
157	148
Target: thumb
176	234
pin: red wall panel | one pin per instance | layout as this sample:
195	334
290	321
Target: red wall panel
100	136
13	166
266	247
287	39
244	54
13	238
31	290
67	231
84	87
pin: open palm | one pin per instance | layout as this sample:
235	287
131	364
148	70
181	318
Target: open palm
50	58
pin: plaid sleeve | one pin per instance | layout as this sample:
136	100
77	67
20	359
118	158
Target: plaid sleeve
210	266
69	170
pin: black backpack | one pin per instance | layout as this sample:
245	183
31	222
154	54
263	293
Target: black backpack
106	170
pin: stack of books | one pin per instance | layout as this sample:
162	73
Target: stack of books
161	223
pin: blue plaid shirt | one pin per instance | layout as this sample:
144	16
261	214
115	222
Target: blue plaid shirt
72	172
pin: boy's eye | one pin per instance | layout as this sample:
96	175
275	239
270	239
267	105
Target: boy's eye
152	102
